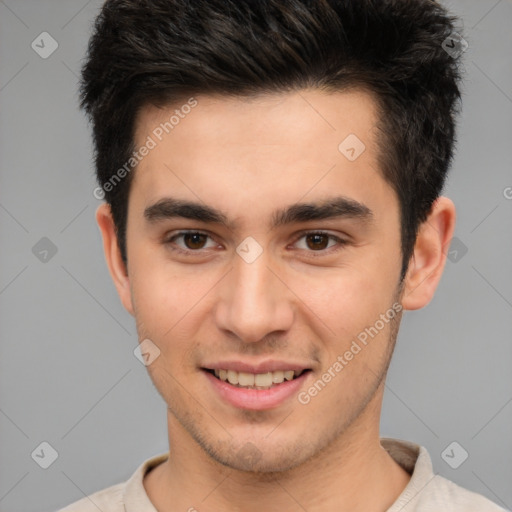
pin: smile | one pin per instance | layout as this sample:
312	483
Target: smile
256	391
256	380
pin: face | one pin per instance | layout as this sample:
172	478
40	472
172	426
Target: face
248	281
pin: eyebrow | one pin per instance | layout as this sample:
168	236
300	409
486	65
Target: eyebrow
332	207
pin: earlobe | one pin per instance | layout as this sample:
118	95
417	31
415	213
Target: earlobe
116	266
429	257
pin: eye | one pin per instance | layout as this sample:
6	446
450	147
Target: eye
317	241
193	241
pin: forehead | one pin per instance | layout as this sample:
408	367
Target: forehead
250	151
266	119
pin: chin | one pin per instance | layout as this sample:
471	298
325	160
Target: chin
254	457
269	465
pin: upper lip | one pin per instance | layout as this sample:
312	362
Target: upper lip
261	367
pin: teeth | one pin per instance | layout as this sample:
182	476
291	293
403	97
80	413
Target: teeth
245	379
256	381
278	376
232	377
288	375
263	379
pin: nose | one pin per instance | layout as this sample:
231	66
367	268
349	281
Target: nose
254	300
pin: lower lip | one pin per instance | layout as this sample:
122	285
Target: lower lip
257	399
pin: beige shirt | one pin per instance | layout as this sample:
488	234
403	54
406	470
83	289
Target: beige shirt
425	492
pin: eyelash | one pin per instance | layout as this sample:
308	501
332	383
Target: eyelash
322	252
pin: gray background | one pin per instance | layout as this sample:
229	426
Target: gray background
68	375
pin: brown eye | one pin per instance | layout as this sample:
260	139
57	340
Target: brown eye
194	240
317	241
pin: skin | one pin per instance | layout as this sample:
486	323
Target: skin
248	158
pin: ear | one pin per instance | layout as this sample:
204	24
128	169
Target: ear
116	266
429	257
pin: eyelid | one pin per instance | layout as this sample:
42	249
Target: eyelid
168	240
323	252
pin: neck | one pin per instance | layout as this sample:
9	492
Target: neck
354	473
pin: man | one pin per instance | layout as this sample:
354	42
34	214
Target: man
272	172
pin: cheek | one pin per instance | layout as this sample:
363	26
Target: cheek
159	286
158	298
169	305
346	300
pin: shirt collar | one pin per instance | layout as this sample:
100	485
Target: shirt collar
135	498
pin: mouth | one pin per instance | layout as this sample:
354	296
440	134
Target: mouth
259	381
256	391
